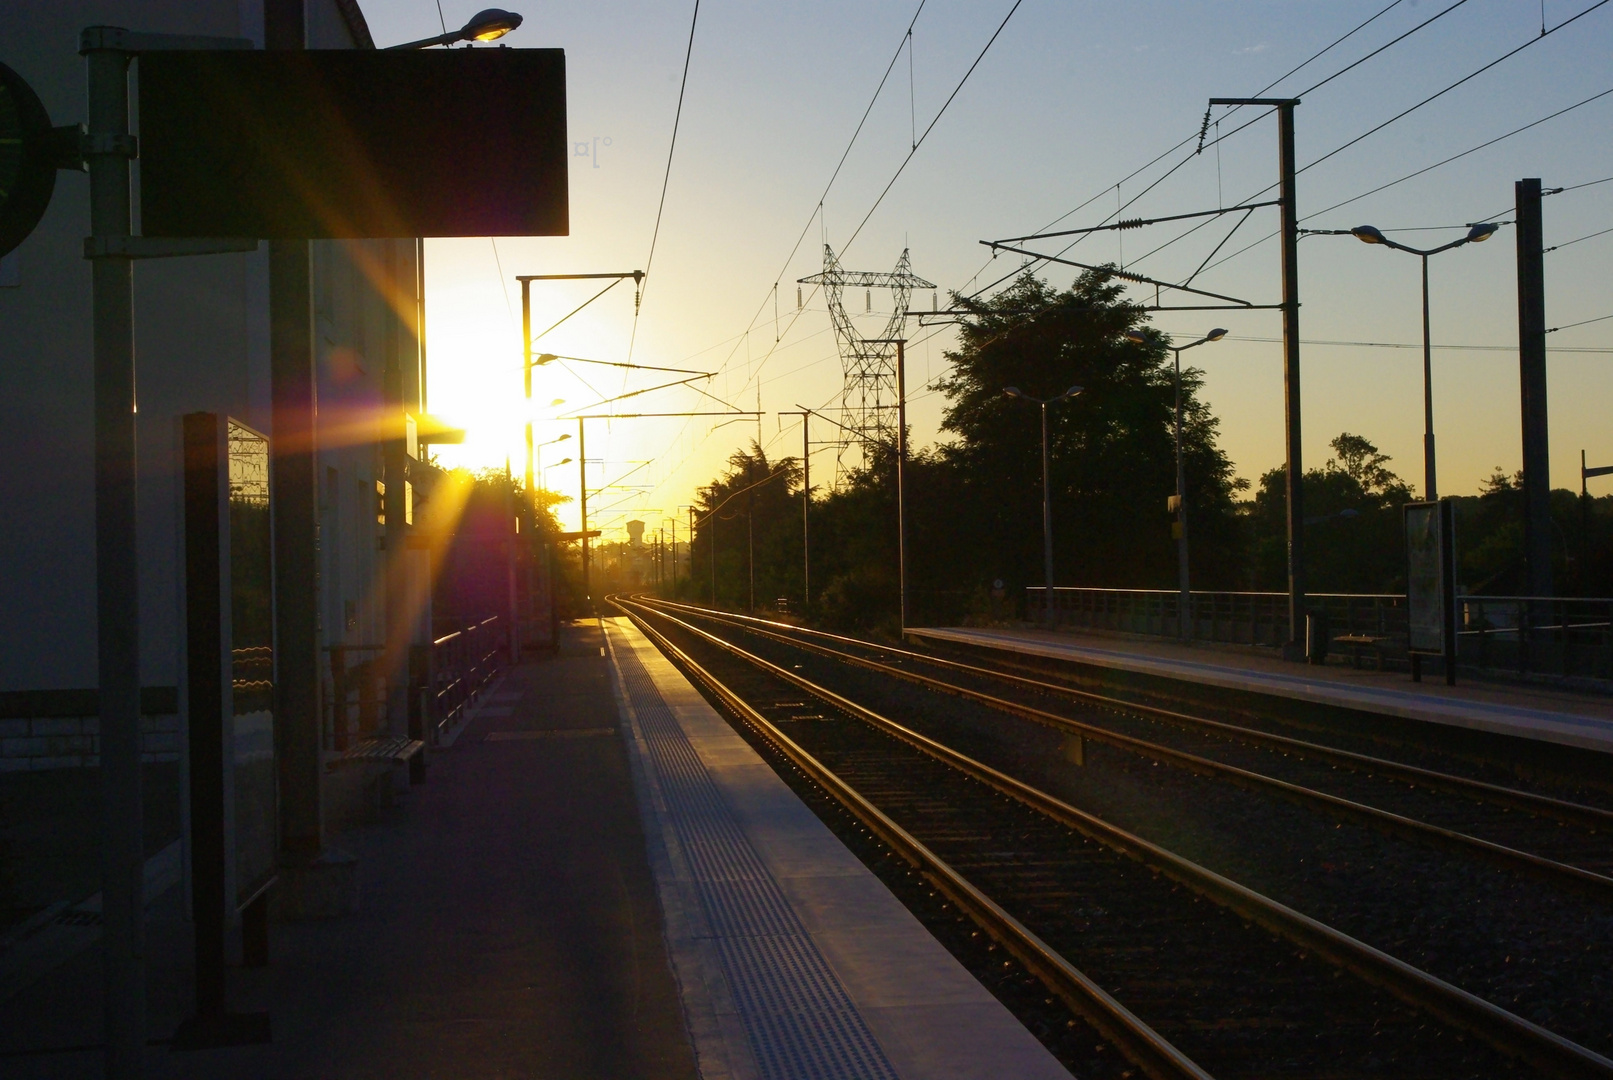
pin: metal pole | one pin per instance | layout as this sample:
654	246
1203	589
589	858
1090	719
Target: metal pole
117	570
526	370
1294	648
1430	483
293	391
806	504
901	474
1185	603
1532	377
582	500
1047	529
1295	479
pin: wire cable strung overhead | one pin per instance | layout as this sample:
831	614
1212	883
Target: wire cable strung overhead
1427	168
1202	145
666	179
756	369
1399	116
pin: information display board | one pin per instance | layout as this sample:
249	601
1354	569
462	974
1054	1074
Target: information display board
354	143
1431	583
1425	586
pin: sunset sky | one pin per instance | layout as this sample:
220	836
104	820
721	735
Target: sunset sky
1069	100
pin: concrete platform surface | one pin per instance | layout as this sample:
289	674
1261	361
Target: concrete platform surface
508	927
792	959
1569	719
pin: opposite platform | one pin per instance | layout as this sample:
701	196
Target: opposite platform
793	959
1526	712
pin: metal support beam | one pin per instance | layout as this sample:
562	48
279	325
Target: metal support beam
1294	649
117	567
1532	380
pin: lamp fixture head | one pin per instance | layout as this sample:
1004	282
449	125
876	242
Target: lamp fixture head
544	358
1215	335
489	24
1481	232
1013	391
1136	337
1367	234
564	437
1072	392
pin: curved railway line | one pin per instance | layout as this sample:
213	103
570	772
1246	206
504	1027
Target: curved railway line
1172	962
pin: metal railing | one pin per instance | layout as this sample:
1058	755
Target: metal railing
451	673
1560	637
445	679
1563	637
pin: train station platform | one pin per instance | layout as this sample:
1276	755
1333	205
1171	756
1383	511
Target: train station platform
598	879
792	958
1527	711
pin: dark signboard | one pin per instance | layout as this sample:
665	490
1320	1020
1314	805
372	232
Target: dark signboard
27	173
351	144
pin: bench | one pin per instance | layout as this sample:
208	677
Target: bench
1357	642
389	751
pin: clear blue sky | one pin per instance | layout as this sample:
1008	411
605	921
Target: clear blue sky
1070	99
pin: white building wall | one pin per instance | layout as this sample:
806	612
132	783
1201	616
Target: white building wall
202	343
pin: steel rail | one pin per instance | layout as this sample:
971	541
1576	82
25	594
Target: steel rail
1541	805
1493	1025
1509	857
1133	1037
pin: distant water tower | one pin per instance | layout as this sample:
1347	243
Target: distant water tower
635	533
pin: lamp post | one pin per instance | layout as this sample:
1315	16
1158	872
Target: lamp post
535	452
488	24
1047	494
1475	234
1184	618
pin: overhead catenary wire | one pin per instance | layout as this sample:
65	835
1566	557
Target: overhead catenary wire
1441	93
1582	322
666	178
1576	187
1220	137
1424	169
1577	239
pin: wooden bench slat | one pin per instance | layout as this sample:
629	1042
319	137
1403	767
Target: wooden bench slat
395	750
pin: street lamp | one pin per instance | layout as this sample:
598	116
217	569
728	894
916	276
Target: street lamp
1184	616
1476	234
537	451
1047	493
489	24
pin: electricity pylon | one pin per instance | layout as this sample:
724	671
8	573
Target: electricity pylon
868	396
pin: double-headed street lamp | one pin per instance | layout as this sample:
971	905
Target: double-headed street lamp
1184	618
1475	234
1047	493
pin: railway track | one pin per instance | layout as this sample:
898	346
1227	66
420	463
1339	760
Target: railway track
1174	964
1560	841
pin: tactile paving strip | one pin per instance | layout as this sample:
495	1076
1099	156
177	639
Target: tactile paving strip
798	1018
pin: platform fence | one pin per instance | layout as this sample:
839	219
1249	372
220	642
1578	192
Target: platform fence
1561	637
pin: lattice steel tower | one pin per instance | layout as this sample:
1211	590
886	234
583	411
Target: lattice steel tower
868	398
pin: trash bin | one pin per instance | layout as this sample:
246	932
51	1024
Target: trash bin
1316	637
